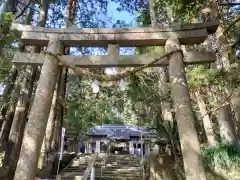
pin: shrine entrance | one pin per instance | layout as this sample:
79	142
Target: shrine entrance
53	60
119	148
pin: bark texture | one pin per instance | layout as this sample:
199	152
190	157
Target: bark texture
184	114
207	124
8	118
36	127
236	106
6	100
51	143
49	151
226	125
19	123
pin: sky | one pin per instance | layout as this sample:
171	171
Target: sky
126	16
114	16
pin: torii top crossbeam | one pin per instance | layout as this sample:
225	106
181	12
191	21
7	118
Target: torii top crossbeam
125	37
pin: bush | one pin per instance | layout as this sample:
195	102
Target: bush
222	162
223	156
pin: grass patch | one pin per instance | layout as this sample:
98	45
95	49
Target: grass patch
224	160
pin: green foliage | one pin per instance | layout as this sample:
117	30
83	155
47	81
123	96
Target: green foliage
7	38
183	11
5	34
223	156
186	9
86	109
200	76
6	22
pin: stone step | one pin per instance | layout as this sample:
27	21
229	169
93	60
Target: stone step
122	164
110	168
105	169
107	166
122	167
104	178
123	156
123	160
109	173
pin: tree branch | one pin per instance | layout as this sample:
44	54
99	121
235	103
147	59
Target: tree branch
217	108
231	24
23	10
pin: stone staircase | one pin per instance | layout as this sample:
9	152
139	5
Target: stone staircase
77	166
119	167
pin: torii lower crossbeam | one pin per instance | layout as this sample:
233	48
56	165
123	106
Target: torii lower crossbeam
193	57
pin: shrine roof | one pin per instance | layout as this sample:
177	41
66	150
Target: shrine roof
119	131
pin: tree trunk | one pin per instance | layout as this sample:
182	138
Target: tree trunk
19	122
226	125
8	119
184	114
236	106
166	107
60	108
7	94
49	151
51	143
207	124
153	14
36	127
7	91
163	78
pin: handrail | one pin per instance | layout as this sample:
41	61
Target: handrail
144	165
90	166
60	172
103	162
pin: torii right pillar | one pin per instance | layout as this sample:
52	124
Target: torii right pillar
190	145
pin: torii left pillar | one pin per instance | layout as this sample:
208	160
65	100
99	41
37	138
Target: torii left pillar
37	123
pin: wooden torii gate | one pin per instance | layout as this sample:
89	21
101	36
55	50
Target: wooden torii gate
55	39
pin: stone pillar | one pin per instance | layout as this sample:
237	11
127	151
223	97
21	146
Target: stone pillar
98	146
89	147
86	147
184	114
131	147
38	117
